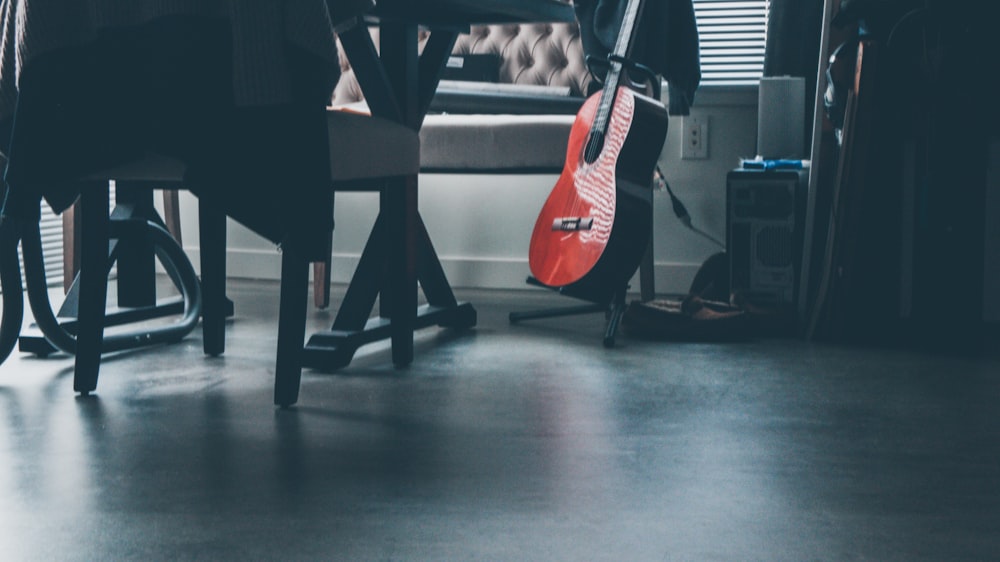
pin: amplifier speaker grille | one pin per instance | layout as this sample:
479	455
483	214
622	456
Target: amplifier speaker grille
774	246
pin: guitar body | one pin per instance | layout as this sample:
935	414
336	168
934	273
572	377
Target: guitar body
594	227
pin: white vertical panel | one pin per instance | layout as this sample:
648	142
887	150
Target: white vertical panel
52	247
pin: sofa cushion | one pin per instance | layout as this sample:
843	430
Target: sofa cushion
520	99
355	136
484	143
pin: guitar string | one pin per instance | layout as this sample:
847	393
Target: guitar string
606	105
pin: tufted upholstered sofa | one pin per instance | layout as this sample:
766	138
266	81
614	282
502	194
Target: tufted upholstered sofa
519	124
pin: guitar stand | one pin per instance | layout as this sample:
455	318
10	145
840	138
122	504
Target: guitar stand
613	311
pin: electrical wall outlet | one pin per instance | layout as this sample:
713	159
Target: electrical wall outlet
694	137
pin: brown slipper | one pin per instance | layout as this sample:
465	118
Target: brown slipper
688	319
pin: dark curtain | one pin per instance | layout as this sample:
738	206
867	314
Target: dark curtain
666	41
793	33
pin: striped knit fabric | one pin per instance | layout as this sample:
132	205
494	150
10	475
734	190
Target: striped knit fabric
261	31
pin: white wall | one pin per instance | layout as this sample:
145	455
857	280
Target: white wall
480	225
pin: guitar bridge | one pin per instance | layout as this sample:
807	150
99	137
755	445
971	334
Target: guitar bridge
573	223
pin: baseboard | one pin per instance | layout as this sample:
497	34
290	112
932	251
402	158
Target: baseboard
462	272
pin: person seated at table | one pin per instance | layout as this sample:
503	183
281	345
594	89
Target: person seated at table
89	84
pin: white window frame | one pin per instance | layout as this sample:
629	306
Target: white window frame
732	35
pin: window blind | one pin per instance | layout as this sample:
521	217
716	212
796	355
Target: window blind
732	35
51	229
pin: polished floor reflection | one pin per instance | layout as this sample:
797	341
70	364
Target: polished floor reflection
526	442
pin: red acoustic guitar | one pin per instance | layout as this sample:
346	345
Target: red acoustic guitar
594	227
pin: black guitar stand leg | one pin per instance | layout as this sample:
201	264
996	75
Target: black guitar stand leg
613	311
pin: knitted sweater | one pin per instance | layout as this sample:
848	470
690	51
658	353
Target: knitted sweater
261	30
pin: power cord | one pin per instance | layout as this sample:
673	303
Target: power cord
681	211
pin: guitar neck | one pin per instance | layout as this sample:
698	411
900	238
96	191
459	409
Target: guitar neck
623	46
622	50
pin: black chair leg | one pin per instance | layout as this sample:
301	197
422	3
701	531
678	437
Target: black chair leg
615	312
291	326
93	286
401	207
212	236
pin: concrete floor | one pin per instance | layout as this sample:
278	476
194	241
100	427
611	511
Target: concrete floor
525	442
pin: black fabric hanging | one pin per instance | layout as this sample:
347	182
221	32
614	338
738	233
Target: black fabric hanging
666	41
792	47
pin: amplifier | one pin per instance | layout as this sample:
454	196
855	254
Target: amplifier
764	216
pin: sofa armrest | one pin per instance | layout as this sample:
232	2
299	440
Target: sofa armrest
484	143
492	98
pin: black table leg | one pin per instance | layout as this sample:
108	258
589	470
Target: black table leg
334	348
402	286
93	286
398	258
291	326
136	261
212	236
